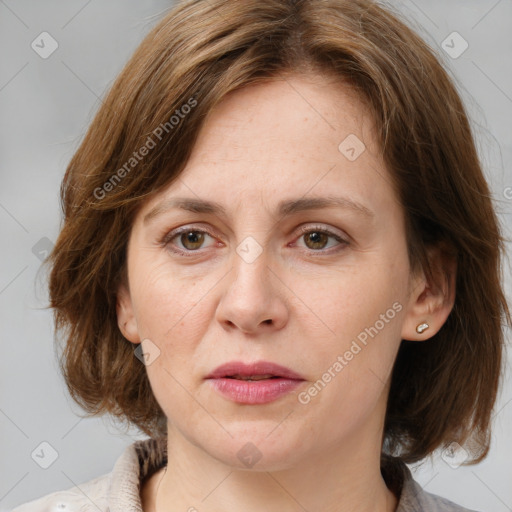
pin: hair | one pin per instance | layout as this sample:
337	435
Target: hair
442	390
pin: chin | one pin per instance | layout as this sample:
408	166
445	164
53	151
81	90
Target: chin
257	449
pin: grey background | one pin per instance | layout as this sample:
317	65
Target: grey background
45	108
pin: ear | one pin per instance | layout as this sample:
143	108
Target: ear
126	316
431	301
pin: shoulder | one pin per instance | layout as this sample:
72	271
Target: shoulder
117	490
412	497
91	495
422	500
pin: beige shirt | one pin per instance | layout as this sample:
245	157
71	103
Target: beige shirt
119	490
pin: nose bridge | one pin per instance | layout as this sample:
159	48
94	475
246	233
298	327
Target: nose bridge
250	298
251	273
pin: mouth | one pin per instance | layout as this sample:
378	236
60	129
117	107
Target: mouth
255	383
251	377
262	370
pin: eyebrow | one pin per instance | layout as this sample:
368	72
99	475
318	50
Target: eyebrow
284	208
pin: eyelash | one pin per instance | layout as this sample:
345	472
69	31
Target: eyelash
166	242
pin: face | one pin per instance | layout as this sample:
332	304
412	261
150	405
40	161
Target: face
322	290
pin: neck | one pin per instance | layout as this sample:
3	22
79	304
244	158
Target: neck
342	480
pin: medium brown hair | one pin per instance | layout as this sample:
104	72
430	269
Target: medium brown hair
442	390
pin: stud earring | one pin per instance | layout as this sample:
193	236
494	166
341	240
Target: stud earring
422	327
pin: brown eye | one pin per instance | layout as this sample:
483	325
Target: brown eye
192	240
316	239
187	242
321	240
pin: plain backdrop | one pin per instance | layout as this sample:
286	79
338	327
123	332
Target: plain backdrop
46	105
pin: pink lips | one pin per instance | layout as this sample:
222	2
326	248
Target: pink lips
271	381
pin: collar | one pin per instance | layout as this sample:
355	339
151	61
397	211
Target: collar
142	458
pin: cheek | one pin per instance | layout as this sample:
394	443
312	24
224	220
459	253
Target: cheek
351	376
171	314
359	316
340	303
166	306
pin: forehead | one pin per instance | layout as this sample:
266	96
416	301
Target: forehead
297	113
285	137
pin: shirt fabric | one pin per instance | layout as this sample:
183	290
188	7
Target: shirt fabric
119	490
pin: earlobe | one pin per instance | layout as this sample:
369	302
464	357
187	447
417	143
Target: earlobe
432	300
125	315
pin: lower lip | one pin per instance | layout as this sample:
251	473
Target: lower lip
256	391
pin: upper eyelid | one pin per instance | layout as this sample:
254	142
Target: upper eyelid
331	231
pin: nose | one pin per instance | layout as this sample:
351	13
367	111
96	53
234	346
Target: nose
254	298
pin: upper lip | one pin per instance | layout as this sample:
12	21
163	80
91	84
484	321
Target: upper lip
253	369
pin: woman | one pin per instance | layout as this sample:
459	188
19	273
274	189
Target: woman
280	261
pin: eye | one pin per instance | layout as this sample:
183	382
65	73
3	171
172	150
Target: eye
316	237
190	239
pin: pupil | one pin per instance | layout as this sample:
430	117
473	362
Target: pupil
316	239
192	240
